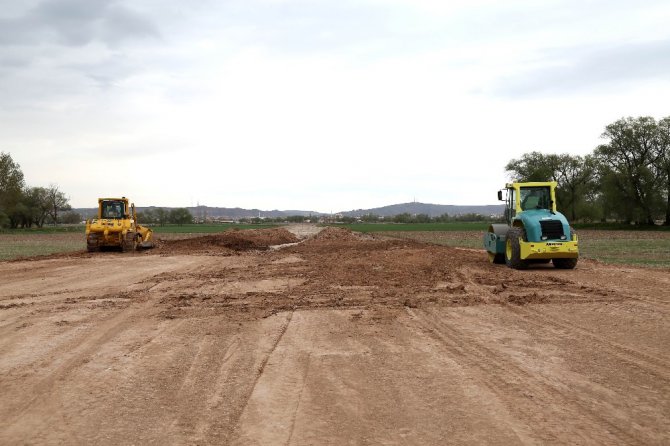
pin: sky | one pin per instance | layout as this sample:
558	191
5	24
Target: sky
321	105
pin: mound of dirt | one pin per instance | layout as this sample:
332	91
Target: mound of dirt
334	240
336	234
229	242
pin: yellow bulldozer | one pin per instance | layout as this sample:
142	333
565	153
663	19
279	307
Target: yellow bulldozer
116	226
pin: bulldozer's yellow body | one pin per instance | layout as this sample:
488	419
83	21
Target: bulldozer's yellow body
116	226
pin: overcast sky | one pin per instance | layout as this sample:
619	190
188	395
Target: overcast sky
324	105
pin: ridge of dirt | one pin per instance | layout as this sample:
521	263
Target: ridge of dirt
228	242
339	269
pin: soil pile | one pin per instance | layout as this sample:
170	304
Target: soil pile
336	234
229	242
341	269
333	239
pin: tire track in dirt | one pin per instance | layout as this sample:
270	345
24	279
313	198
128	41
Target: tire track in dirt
261	368
646	362
207	374
477	377
217	396
81	351
294	414
652	303
218	433
44	314
492	368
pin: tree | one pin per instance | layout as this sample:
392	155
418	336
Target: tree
25	206
71	217
370	218
405	217
628	161
422	218
57	202
11	189
533	166
663	153
574	175
180	216
161	216
147	216
38	201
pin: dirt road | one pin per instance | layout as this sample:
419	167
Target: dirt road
339	339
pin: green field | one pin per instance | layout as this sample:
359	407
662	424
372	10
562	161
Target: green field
619	227
29	244
61	229
413	227
649	252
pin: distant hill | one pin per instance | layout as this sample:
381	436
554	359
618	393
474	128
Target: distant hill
214	212
433	210
237	213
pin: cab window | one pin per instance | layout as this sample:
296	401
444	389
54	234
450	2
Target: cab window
113	209
535	198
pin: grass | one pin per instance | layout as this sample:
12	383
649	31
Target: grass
29	244
652	252
620	227
413	227
60	229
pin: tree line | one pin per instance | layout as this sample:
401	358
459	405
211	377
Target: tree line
626	179
23	206
161	217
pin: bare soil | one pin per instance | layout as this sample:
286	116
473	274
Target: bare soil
306	337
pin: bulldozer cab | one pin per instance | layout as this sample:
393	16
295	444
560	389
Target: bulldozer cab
112	209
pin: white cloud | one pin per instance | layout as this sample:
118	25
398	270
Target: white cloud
322	105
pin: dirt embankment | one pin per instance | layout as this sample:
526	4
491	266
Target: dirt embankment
228	242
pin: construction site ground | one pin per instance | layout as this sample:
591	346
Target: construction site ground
300	337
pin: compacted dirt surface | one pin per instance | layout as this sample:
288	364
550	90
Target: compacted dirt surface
272	337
